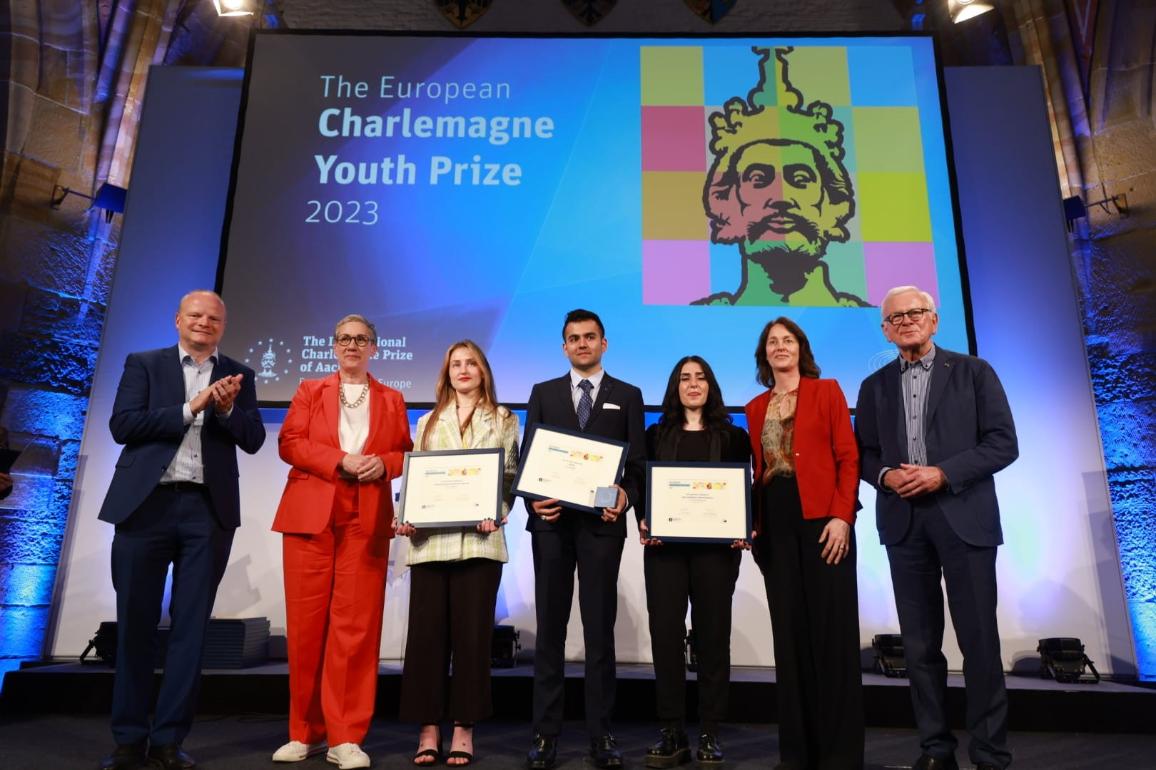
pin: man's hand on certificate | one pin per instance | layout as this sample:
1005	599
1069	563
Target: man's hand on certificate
546	510
644	535
612	514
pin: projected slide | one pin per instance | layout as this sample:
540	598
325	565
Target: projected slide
687	190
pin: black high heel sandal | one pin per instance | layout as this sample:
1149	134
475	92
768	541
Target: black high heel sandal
466	755
435	752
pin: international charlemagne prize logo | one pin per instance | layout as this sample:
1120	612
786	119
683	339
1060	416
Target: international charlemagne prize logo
269	359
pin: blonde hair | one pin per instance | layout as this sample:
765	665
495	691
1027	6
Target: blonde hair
444	393
355	318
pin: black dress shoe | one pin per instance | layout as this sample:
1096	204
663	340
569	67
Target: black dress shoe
986	766
171	757
671	749
709	749
127	756
543	755
928	762
604	753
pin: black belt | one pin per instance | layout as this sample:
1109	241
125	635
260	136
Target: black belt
184	486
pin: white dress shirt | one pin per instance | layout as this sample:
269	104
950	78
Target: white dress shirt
188	465
576	392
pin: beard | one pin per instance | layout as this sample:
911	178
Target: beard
786	265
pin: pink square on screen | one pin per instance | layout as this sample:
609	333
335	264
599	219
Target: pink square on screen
899	264
673	139
675	272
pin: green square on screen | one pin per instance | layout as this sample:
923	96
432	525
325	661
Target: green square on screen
672	75
887	139
820	73
893	207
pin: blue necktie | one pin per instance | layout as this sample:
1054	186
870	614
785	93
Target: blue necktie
585	403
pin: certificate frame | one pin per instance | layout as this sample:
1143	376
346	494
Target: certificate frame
543	438
659	476
485	493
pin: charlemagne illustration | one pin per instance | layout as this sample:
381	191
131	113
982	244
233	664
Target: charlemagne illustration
779	190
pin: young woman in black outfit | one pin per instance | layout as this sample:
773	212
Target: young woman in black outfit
694	427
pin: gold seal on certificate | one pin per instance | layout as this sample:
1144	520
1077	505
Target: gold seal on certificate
698	502
568	466
452	488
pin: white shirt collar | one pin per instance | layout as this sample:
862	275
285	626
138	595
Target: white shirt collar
595	379
182	354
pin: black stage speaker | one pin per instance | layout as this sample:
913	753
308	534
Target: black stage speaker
889	660
1062	658
229	643
505	648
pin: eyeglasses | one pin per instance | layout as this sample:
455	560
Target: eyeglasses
345	340
915	315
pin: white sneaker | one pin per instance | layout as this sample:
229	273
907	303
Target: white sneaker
347	755
296	751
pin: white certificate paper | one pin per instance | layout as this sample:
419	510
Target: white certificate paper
451	488
698	502
568	466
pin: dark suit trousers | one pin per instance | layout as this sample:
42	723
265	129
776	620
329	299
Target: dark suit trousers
705	574
451	621
932	550
174	526
815	620
570	543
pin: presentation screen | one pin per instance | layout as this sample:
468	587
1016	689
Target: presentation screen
688	190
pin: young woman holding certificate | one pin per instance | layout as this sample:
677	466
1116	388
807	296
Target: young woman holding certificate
455	571
694	427
805	484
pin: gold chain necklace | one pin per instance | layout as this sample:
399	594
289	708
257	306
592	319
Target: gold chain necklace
360	399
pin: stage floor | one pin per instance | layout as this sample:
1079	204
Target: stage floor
1036	704
245	742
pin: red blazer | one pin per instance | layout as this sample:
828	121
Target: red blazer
309	443
826	455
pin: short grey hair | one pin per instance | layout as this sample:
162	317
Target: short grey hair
928	300
195	292
355	318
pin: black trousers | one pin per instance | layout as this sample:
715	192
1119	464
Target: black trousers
704	574
815	620
571	544
451	621
174	525
931	551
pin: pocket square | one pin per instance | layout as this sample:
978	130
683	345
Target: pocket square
609	405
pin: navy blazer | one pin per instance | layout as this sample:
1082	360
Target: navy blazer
148	418
970	436
551	404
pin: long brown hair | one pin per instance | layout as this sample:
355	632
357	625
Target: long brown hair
444	393
807	365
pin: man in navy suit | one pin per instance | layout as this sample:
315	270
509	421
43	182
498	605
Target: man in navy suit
934	427
180	412
589	400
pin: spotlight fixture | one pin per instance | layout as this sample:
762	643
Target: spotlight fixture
1062	658
962	10
232	7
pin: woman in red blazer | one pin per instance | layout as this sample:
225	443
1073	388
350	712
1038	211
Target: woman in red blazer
805	483
344	438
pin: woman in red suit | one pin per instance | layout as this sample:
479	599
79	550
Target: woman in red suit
806	479
344	437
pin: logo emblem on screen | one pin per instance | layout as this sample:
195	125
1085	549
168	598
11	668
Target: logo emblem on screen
266	358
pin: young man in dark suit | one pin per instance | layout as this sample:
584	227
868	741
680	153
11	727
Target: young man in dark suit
585	399
181	413
934	427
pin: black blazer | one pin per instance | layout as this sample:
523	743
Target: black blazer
148	418
970	436
617	415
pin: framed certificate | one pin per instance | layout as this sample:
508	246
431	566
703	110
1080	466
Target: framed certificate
698	502
568	466
452	488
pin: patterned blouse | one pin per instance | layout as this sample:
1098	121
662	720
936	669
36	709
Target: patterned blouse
778	435
485	430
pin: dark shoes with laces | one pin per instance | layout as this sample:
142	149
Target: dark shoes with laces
604	753
670	750
709	749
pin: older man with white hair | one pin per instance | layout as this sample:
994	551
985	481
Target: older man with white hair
934	426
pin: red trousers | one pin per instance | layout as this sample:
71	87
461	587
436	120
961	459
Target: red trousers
334	594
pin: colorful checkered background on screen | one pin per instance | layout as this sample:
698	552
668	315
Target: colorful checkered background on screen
872	91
